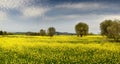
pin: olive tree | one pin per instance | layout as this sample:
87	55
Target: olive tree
51	31
111	29
114	31
81	29
104	26
42	32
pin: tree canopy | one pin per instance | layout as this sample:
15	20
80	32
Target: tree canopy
111	28
81	29
42	32
51	31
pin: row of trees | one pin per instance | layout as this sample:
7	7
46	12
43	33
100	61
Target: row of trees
5	33
50	32
109	28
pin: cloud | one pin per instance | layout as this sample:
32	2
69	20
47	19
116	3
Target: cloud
61	14
88	6
83	5
112	17
25	8
13	3
74	16
3	15
34	11
93	20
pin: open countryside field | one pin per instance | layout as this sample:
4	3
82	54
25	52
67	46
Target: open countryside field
21	49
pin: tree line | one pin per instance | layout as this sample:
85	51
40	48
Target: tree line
109	28
50	32
5	33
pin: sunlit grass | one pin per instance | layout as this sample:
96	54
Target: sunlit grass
20	49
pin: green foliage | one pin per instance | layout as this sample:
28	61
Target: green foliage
3	33
104	26
51	31
111	29
81	29
114	30
42	32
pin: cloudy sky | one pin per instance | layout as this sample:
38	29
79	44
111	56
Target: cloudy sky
33	15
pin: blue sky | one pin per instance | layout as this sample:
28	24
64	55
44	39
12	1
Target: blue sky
33	15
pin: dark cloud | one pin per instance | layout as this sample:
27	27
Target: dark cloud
31	15
57	2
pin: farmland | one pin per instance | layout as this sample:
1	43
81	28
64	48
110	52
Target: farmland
21	49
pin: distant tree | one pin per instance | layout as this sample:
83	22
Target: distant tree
4	33
114	30
32	33
104	26
1	32
51	31
42	32
111	29
81	29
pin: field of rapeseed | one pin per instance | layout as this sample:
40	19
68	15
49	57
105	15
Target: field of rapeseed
20	49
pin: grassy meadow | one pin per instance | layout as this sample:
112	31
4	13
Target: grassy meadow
21	49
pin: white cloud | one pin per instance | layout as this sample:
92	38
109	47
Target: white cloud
84	6
13	3
22	6
34	11
74	16
93	20
112	17
3	16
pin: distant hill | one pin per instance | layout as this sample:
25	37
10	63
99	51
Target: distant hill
19	33
57	33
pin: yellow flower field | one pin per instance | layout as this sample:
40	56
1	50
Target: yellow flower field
21	49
